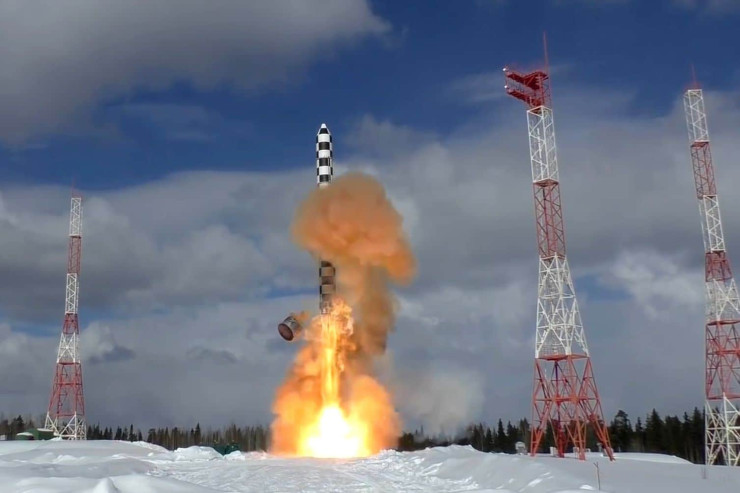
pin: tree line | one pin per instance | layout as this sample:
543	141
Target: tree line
248	438
682	437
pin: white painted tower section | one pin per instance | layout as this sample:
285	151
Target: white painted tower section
559	325
67	386
722	338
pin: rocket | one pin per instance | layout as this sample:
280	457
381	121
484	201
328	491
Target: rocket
290	327
324	157
324	173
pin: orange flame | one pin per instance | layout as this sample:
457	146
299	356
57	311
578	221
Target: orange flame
330	433
335	436
329	404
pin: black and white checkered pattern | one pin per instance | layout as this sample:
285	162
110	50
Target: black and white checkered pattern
324	173
324	157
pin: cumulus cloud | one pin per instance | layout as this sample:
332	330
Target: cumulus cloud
61	58
100	346
209	241
180	122
384	139
658	282
219	356
479	88
195	290
26	370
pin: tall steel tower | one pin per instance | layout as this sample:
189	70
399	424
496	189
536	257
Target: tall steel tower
324	174
66	415
722	336
565	395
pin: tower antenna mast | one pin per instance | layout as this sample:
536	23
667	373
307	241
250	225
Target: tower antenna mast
565	396
722	331
66	414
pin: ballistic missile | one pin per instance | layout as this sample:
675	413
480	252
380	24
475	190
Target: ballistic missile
290	327
324	173
324	157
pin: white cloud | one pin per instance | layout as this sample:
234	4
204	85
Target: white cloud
480	88
61	58
176	270
100	346
658	283
180	122
384	139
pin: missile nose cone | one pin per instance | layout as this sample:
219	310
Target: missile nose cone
323	129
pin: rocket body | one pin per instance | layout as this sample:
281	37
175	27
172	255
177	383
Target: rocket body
290	328
324	173
324	157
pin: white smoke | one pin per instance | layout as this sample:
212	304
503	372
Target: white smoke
98	344
442	400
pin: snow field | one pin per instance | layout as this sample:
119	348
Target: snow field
122	467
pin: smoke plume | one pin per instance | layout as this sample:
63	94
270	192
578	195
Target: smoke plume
442	400
353	225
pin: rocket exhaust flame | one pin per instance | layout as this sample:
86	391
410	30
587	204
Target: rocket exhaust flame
330	405
333	434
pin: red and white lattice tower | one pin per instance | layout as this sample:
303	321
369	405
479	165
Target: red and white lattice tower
66	415
722	334
565	395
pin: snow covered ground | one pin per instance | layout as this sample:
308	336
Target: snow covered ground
121	467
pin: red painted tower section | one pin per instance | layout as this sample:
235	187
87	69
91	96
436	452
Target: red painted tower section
66	414
722	328
565	397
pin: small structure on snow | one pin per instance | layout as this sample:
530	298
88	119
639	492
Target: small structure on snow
35	434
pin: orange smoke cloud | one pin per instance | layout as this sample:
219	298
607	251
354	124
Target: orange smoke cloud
353	225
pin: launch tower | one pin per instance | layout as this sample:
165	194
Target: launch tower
722	334
66	414
565	397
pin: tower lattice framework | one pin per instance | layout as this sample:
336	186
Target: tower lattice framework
565	396
722	334
66	414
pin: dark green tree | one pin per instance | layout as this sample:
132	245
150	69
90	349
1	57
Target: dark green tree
620	432
499	438
488	446
654	433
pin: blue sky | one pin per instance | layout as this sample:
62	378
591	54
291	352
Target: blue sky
405	76
190	131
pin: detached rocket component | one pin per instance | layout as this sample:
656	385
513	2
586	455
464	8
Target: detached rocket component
324	173
290	328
